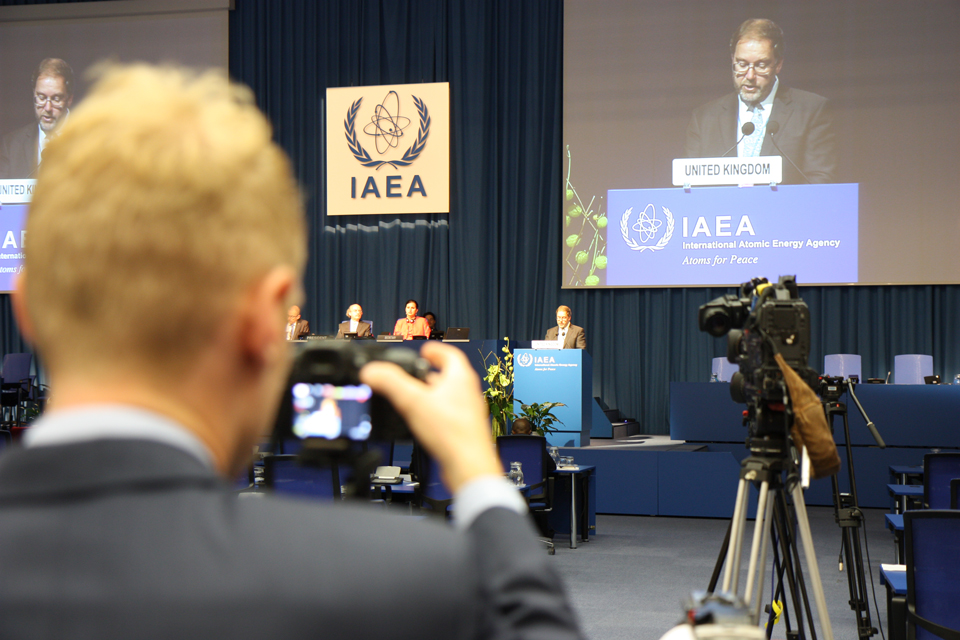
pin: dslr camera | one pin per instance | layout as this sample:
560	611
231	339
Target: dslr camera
325	402
762	320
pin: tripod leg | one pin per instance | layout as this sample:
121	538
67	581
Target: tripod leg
758	595
779	595
732	569
720	558
807	538
760	529
791	564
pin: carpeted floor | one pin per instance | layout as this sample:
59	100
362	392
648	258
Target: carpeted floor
628	582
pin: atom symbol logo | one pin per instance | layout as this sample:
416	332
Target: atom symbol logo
647	225
524	359
386	128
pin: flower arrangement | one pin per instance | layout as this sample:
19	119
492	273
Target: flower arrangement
500	401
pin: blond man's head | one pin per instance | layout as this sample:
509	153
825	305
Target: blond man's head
162	200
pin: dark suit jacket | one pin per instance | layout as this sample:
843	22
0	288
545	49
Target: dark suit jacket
576	337
301	330
18	153
806	133
136	539
363	329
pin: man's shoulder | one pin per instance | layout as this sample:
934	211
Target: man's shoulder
723	103
799	96
26	132
20	138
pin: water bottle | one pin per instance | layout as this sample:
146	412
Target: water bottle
516	473
956	379
714	377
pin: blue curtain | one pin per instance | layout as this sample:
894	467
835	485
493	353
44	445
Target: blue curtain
493	263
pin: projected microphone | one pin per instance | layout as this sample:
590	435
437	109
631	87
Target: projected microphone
746	130
37	168
772	128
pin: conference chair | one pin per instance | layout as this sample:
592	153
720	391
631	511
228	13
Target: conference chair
531	453
932	538
938	470
283	474
431	495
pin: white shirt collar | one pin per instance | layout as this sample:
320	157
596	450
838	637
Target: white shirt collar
114	422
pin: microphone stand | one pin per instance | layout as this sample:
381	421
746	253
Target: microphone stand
847	514
772	130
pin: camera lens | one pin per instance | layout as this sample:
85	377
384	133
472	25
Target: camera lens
715	321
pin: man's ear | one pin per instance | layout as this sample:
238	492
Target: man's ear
263	312
18	298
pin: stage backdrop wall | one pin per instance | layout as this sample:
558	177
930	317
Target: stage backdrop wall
493	263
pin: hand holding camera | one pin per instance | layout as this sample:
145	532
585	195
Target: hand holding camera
446	413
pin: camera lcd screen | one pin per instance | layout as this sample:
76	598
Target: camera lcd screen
331	411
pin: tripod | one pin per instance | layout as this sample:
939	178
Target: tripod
766	469
847	513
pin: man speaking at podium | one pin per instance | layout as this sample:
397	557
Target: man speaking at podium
572	336
763	117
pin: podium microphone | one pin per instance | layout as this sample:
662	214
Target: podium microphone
746	129
772	128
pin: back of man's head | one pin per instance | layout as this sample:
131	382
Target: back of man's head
522	427
161	201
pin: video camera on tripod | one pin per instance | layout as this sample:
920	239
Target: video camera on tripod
762	321
768	336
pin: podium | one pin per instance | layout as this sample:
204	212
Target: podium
557	375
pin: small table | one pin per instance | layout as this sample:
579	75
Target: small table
574	473
903	494
906	474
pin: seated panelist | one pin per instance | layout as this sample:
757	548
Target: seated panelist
354	324
432	322
412	325
297	328
570	335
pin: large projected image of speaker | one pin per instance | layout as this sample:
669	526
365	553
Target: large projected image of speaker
51	54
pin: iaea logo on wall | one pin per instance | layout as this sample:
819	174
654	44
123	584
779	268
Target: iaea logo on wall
525	360
387	127
388	149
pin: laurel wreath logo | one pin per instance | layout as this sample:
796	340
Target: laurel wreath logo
633	244
524	359
361	154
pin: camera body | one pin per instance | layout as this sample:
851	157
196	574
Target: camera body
831	388
324	399
765	319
